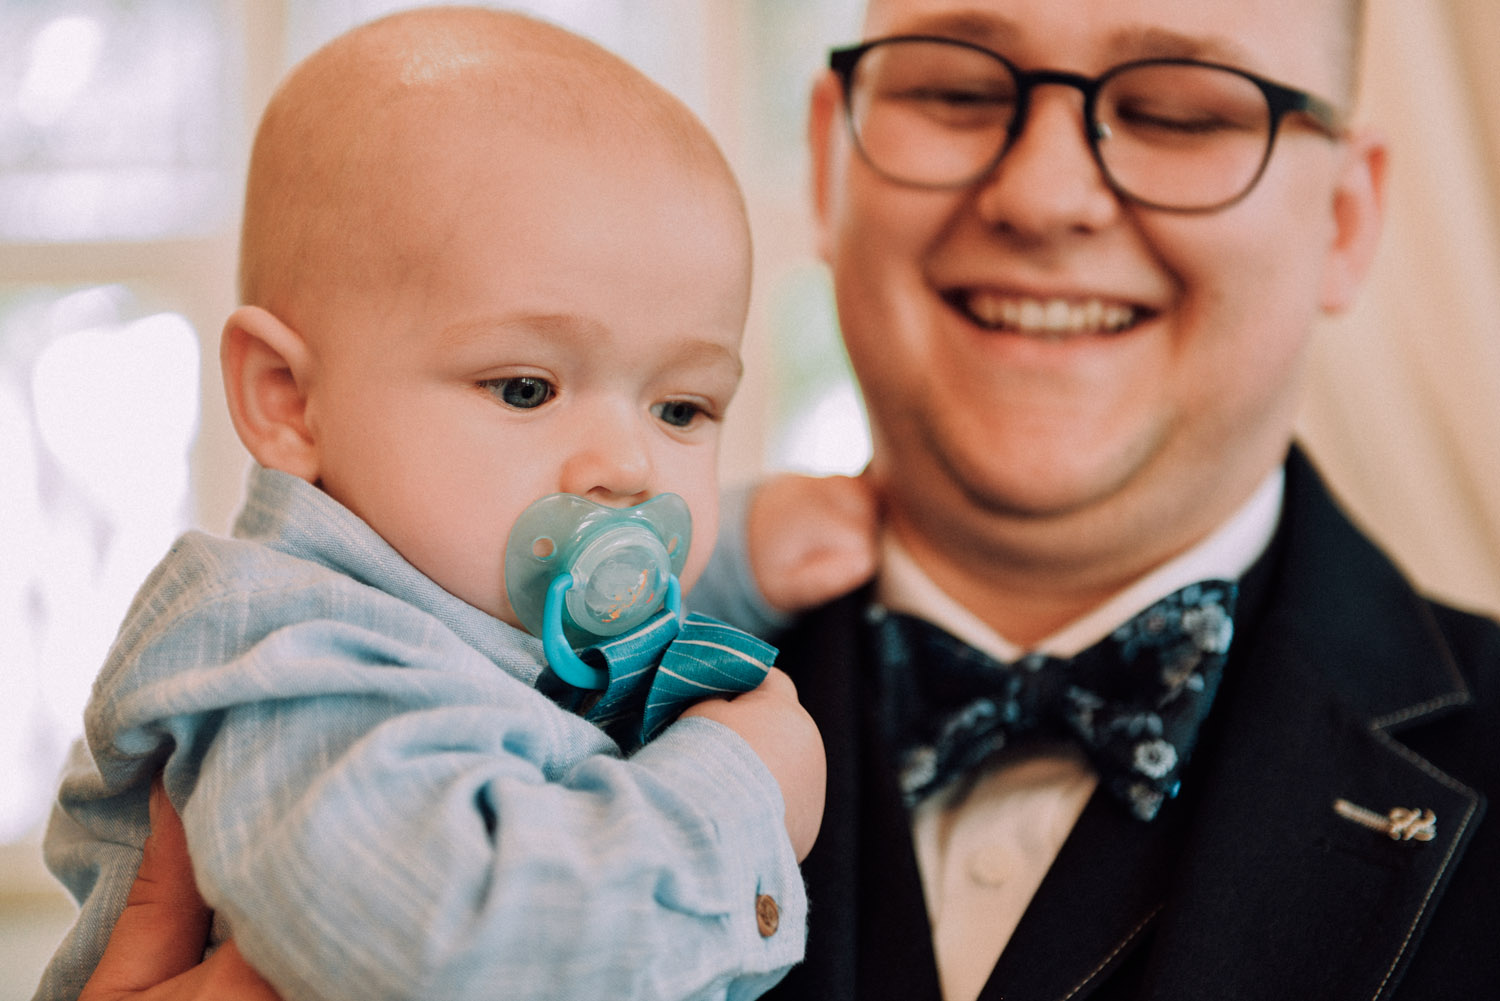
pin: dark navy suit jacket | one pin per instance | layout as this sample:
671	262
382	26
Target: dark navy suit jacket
1342	684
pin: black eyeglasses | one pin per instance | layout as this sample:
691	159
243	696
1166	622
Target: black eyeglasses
1175	134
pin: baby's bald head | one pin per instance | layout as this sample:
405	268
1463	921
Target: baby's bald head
372	145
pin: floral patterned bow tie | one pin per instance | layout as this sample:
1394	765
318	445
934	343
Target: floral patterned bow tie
1134	702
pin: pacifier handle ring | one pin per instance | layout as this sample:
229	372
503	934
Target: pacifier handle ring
566	664
674	595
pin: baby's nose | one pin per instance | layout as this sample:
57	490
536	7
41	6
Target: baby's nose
610	461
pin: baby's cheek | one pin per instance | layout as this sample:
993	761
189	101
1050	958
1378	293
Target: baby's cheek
705	535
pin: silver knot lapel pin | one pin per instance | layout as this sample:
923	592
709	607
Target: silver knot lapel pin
1400	824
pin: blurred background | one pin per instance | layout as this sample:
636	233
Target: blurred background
124	128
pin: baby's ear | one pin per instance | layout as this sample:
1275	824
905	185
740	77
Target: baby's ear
266	366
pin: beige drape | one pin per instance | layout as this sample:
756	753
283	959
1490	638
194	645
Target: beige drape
1403	411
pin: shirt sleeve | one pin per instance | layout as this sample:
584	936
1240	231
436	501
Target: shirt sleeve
727	589
379	813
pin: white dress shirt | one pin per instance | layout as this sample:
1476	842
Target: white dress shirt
984	849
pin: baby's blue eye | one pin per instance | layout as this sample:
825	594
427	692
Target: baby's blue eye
522	392
677	413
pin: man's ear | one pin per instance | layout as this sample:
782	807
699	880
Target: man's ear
822	125
1358	214
266	366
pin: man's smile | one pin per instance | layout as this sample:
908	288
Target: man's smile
1050	318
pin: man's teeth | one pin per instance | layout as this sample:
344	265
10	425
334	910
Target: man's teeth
1048	317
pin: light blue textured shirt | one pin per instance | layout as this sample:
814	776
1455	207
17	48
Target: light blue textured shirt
378	803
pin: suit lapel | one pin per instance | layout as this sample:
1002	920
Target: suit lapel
1277	894
1253	885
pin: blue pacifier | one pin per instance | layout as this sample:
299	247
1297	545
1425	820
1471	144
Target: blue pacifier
577	572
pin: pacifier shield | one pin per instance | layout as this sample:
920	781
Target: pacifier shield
621	561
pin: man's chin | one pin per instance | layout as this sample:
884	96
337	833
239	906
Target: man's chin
1025	485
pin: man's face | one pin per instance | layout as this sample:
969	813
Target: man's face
1140	438
577	332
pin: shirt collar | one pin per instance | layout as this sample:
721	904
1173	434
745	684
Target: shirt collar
1225	554
292	516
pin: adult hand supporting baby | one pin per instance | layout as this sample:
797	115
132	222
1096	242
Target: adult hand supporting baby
156	950
812	538
786	739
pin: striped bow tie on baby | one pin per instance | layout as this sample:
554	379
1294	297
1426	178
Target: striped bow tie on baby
660	668
1134	702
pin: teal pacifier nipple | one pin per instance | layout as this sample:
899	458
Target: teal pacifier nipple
577	572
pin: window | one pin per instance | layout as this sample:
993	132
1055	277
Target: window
122	120
121	132
98	411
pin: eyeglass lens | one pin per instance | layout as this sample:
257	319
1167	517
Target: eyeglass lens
1175	135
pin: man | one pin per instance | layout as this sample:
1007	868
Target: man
1080	321
1082	361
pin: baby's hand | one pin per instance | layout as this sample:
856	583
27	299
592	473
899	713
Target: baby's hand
786	739
811	539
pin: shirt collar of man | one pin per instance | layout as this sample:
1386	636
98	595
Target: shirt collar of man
1226	554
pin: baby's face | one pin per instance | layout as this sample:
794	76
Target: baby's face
577	332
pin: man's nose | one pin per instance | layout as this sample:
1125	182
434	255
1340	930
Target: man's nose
1048	183
609	458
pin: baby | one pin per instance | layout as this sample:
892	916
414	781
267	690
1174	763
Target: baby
483	262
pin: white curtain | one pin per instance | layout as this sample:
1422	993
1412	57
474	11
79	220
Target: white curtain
1403	412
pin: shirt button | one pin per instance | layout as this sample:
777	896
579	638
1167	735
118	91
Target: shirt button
767	915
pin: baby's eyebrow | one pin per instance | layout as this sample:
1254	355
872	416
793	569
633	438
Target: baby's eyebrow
708	354
551	325
580	332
